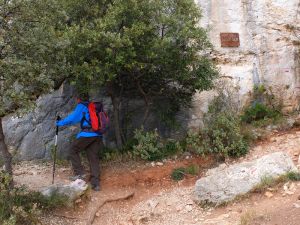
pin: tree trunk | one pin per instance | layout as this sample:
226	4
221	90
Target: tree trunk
4	150
116	120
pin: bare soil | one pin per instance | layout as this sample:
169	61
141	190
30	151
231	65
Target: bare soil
158	199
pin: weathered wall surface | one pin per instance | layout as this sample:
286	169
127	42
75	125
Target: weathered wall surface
268	54
269	47
31	136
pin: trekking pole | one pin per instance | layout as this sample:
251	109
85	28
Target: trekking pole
55	148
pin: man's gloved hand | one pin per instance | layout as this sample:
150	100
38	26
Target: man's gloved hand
58	121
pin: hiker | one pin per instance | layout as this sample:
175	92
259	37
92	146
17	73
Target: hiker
87	140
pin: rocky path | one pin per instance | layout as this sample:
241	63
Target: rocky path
159	200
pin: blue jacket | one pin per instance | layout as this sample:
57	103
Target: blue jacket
76	117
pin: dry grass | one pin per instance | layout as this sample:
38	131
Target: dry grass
248	217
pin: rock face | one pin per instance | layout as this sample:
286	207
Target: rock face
224	184
32	135
268	54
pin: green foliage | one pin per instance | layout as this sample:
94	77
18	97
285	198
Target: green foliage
268	182
265	107
149	146
293	176
32	51
258	112
146	50
222	137
221	133
178	174
192	170
20	206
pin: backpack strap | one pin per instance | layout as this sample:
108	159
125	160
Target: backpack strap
83	119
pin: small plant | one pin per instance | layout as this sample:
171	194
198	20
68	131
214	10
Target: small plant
258	112
20	206
192	170
247	218
267	181
293	176
178	174
265	107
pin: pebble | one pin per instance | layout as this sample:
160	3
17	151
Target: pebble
78	201
296	205
159	164
269	194
153	203
189	208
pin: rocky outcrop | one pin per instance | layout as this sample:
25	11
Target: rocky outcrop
31	136
224	184
268	54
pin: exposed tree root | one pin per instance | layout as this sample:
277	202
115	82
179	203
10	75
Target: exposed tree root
96	209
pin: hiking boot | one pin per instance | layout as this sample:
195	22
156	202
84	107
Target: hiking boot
96	187
82	177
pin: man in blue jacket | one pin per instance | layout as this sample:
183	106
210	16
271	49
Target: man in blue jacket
86	140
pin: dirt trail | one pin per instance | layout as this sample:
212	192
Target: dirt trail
159	200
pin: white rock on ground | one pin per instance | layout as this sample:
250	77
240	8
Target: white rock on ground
224	184
72	191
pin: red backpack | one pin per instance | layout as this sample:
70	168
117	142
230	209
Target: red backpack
99	119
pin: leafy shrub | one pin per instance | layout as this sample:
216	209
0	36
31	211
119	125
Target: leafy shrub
178	174
293	176
259	111
265	106
192	169
20	206
149	146
222	137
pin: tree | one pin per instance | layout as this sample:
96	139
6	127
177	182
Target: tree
31	55
153	49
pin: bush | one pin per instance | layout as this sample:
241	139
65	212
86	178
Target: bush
265	107
20	206
222	136
259	111
149	146
178	174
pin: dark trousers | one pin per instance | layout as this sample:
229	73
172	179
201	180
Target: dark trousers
91	145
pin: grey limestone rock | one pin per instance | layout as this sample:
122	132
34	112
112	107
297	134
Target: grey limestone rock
71	191
225	183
